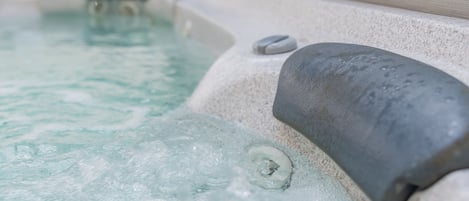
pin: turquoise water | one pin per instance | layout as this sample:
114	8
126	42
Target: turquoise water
89	114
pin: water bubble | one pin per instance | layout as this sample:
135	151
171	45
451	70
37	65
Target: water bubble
385	87
449	99
24	152
45	149
411	74
372	96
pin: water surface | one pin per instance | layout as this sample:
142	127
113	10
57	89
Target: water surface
95	114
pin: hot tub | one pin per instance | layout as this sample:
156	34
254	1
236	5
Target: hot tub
240	86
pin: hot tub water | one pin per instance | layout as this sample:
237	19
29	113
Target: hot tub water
101	120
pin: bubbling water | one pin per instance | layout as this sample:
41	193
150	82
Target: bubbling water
81	120
179	156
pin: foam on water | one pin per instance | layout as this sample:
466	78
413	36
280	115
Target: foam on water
85	121
179	156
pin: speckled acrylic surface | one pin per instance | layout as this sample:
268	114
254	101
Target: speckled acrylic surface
241	86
